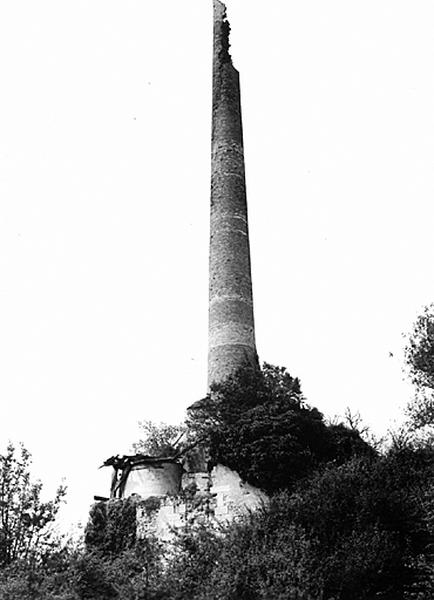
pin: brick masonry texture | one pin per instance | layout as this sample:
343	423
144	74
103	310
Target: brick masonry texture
231	324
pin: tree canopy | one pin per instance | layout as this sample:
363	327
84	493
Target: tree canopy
419	354
25	520
158	439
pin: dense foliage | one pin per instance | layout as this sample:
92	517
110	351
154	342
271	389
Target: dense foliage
111	527
25	520
344	522
355	532
420	363
259	424
420	349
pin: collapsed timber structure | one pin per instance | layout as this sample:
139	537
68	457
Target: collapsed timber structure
183	487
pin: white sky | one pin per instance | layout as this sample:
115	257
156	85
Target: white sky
104	195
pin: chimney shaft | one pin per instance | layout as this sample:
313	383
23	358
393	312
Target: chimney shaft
231	325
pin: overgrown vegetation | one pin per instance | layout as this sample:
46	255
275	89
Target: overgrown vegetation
26	535
259	424
158	439
111	528
420	362
345	521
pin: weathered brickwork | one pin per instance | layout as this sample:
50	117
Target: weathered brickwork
231	324
171	492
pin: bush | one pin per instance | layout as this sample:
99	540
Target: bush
112	526
369	521
357	531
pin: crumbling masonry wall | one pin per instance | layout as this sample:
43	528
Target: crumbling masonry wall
206	498
231	325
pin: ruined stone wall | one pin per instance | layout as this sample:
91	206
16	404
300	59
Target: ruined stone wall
205	498
231	324
233	497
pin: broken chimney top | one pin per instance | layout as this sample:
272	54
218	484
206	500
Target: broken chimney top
220	13
221	33
231	339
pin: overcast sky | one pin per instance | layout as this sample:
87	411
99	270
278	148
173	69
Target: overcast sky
104	199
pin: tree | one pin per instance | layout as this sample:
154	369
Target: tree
419	351
159	439
419	355
25	520
259	424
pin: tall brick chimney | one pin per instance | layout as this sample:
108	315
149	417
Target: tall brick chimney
231	325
